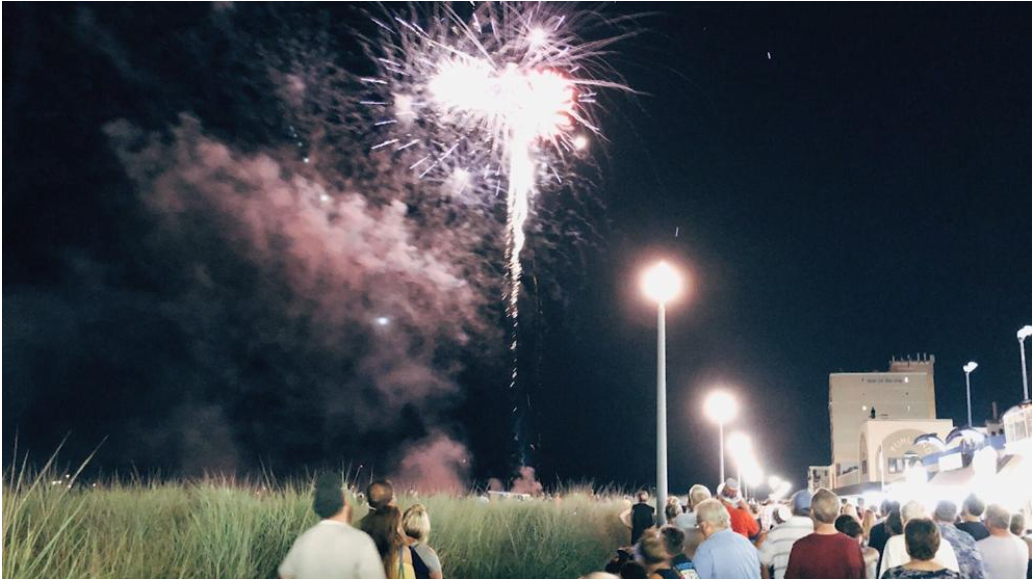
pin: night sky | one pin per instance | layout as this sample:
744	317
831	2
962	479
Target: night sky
843	183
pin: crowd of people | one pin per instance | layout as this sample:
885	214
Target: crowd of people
721	536
388	543
819	536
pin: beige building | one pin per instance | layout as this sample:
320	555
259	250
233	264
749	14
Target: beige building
905	393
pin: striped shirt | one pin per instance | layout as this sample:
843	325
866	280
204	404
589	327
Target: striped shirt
774	552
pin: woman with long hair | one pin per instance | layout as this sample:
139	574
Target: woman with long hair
385	527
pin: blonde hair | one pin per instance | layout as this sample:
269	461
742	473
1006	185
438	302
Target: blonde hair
416	522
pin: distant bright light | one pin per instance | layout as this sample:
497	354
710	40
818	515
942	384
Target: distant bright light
382	320
537	36
774	482
720	407
580	142
753	474
968	368
740	445
661	283
1025	332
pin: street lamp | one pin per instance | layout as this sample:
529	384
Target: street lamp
661	283
968	368
741	449
1024	333
720	407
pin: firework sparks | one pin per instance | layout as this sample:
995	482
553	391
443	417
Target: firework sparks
499	99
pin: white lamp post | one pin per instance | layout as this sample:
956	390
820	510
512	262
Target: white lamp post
968	368
720	407
1024	333
661	283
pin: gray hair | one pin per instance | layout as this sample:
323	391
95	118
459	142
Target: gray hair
913	510
698	494
997	517
945	511
713	512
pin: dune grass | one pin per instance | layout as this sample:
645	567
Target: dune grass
57	528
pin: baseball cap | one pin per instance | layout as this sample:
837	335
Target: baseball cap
801	501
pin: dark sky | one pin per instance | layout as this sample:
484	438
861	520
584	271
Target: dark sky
845	183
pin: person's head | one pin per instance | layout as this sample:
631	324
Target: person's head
380	493
824	507
643	496
729	491
888	506
711	517
922	539
698	494
651	549
674	539
997	518
801	503
867	522
416	523
384	527
945	512
328	498
841	521
912	510
849	526
973	507
1018	524
671	511
894	526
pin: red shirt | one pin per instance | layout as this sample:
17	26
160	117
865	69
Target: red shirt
743	521
825	557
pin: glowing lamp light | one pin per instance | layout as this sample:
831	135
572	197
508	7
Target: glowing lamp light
740	445
720	407
753	474
1025	332
382	320
580	143
968	368
661	283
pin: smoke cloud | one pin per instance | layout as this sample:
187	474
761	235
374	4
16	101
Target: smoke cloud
307	299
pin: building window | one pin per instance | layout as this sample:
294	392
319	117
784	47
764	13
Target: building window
864	466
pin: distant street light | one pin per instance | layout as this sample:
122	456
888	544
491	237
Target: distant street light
720	407
1024	333
968	368
661	283
741	448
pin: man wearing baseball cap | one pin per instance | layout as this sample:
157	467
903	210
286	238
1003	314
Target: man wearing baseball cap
742	519
774	552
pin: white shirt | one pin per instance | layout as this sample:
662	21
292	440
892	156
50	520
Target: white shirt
779	542
1004	557
895	555
332	550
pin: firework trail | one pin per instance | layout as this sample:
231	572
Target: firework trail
501	97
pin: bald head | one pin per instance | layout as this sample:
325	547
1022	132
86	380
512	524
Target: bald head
379	494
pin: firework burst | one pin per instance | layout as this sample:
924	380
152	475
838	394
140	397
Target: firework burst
497	101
